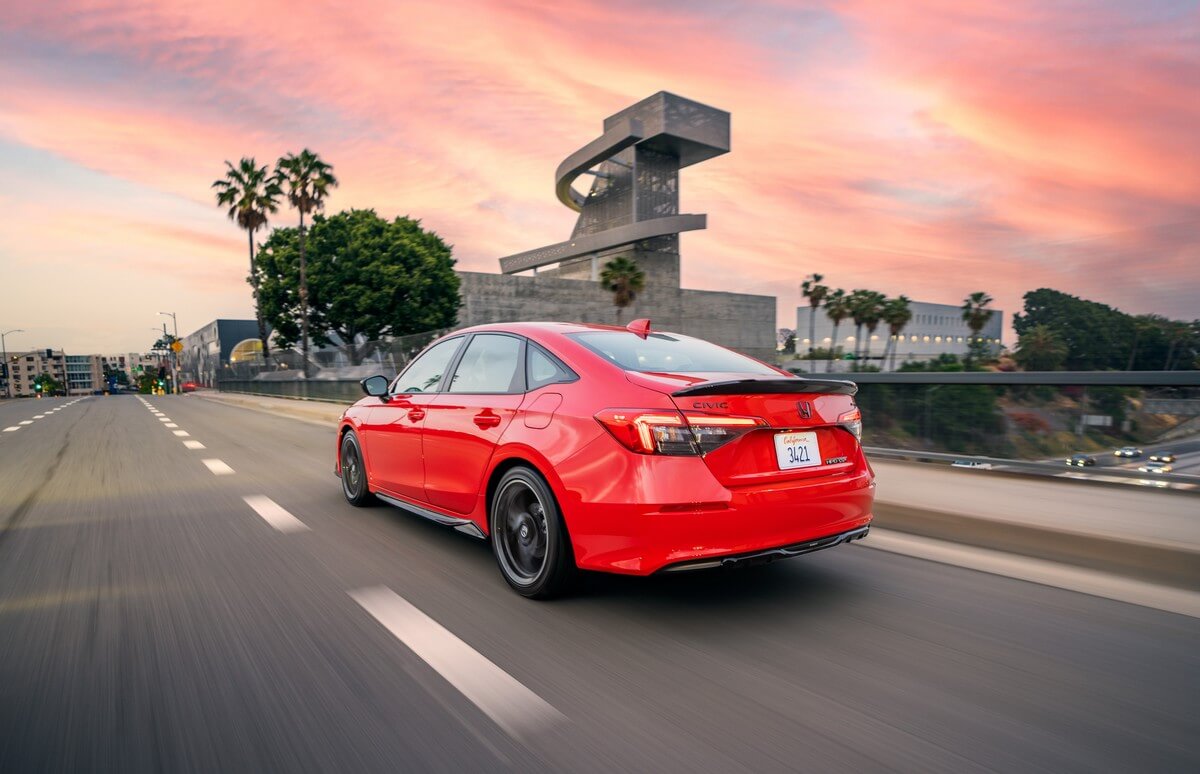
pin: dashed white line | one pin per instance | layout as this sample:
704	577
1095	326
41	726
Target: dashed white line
11	429
218	467
193	444
39	416
25	422
164	419
274	514
512	706
181	433
170	424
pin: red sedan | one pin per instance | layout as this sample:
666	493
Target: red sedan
623	450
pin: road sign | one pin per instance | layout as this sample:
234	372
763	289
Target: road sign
177	345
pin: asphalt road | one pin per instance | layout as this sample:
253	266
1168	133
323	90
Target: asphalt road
152	620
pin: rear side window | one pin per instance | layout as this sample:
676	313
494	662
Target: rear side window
492	363
425	373
542	369
667	352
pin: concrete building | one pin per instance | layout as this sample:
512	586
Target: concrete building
132	364
85	374
935	329
26	366
207	351
631	210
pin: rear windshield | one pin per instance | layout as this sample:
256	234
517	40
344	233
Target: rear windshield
668	353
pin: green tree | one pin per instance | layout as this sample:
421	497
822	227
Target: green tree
976	315
622	277
252	194
1097	336
872	314
837	308
897	314
307	180
815	292
1040	348
366	276
45	384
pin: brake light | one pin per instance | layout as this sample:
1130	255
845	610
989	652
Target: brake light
852	421
671	432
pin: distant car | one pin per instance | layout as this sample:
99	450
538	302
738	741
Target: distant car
1081	460
972	464
189	386
1155	467
1128	451
1162	456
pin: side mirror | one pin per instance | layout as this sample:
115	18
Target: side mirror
376	386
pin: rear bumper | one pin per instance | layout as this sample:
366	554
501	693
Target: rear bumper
771	554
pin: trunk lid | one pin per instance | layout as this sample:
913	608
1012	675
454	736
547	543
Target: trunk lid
786	405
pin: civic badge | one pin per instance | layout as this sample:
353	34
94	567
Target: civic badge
805	409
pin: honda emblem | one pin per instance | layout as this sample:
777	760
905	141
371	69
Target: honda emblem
805	409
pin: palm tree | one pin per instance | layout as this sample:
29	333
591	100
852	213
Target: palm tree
815	292
1041	349
837	308
872	313
251	193
622	277
976	315
896	313
308	180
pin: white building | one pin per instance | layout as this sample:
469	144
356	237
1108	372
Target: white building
935	329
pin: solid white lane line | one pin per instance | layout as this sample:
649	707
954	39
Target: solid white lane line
1046	573
193	444
11	429
512	706
25	422
217	467
170	424
181	433
274	514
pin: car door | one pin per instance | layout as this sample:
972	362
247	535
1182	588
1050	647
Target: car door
465	422
392	437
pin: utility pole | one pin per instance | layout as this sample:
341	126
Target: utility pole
174	354
7	366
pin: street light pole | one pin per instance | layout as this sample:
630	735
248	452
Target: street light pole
7	367
174	354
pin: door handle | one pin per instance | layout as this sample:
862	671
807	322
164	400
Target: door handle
416	414
486	419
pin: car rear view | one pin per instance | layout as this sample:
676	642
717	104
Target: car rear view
728	460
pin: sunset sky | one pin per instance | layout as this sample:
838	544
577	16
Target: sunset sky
931	149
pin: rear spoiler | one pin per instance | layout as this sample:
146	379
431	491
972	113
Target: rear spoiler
751	386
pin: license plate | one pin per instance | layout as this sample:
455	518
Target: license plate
797	450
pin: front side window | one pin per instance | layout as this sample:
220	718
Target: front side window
425	373
491	364
670	353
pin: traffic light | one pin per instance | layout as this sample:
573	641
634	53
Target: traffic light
49	353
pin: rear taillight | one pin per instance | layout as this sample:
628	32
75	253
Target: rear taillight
852	421
671	432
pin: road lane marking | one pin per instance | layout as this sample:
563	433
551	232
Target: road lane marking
170	424
40	416
181	433
25	422
11	429
274	514
193	444
164	419
217	467
1040	571
512	706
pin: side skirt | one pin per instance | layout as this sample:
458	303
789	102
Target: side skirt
465	526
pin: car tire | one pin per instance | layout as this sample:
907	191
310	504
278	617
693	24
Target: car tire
529	538
354	471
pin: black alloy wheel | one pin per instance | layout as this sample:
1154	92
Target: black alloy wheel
354	474
528	537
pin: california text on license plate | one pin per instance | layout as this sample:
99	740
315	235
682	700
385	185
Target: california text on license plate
797	450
